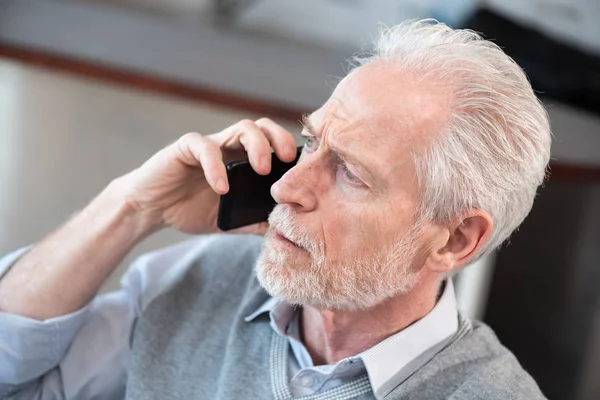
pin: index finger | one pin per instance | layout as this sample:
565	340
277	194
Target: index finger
280	139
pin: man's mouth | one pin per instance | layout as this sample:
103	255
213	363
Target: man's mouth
283	239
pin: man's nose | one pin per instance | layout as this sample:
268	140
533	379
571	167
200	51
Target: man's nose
298	186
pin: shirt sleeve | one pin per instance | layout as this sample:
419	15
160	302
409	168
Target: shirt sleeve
84	354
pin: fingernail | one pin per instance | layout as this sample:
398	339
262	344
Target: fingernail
221	185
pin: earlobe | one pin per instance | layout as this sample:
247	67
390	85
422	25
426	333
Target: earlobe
443	261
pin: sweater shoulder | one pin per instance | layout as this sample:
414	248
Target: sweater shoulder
215	269
477	366
221	256
491	370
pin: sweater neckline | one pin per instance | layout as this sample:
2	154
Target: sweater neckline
280	387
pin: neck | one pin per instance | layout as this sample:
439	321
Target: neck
332	335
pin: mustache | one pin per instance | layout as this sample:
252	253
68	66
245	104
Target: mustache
286	221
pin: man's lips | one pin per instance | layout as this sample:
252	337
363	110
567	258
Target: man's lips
280	236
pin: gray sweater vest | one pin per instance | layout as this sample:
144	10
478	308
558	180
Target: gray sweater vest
191	342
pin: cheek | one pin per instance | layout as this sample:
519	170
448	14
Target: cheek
357	228
354	228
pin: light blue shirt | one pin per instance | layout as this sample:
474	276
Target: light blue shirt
84	355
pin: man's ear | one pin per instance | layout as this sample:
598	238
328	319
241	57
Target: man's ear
464	238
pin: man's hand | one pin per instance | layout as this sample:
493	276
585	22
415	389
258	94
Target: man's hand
180	185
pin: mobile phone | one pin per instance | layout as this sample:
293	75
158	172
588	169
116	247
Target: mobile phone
249	199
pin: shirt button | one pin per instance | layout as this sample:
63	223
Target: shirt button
307	381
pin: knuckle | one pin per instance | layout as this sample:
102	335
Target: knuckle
265	121
246	124
192	143
190	136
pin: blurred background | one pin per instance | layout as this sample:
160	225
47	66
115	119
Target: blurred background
89	89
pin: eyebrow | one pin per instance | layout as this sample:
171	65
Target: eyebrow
339	153
308	125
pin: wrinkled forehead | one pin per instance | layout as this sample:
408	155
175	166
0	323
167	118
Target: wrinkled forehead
379	103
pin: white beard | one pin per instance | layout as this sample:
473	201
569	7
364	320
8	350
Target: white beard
359	282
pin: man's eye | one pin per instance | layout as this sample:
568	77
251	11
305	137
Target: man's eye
349	175
309	142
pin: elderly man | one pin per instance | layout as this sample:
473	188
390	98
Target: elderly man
426	157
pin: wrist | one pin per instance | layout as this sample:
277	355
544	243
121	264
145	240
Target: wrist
112	211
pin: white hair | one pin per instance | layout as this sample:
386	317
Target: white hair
494	150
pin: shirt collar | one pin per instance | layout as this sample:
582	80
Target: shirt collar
267	306
385	360
280	314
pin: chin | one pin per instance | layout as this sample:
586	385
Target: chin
293	275
301	285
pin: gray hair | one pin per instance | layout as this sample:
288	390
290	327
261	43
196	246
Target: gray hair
495	148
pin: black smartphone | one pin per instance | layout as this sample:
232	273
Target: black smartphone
249	198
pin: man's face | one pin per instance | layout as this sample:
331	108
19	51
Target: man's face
344	235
